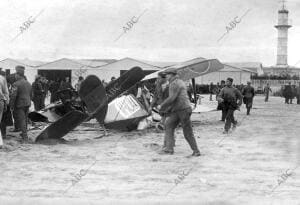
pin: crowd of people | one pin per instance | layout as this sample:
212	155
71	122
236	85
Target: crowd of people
16	94
289	92
171	97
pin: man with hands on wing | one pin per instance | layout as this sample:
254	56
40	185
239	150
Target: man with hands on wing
178	110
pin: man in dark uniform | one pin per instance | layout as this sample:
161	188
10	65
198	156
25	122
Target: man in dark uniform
66	84
38	93
21	100
267	91
248	93
288	94
211	90
179	111
53	88
232	99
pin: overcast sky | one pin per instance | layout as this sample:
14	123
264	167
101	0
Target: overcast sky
169	30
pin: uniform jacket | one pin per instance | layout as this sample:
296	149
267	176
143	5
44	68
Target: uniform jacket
178	98
21	94
288	91
248	92
267	89
231	95
37	90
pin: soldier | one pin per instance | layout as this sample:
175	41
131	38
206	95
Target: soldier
267	90
211	90
217	89
232	99
53	88
21	100
288	94
78	84
179	110
38	93
248	93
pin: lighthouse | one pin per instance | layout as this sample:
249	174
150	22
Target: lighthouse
282	41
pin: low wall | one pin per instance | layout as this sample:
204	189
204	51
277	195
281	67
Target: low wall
274	84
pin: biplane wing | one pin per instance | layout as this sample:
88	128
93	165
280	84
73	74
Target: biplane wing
191	69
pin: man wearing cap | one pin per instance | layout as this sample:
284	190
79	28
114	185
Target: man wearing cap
248	93
37	93
178	111
229	95
267	91
20	102
19	70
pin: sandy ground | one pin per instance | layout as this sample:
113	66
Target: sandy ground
244	167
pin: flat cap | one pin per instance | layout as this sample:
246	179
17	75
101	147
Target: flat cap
20	69
230	79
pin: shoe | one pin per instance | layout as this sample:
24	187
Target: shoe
225	132
16	130
165	152
196	154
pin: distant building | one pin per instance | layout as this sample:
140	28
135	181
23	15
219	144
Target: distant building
239	75
8	65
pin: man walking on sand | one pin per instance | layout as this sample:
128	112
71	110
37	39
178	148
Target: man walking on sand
179	111
232	99
20	102
248	93
267	91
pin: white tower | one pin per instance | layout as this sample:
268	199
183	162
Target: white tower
282	27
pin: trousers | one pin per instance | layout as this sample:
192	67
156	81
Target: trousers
38	102
248	102
267	97
22	115
229	118
172	121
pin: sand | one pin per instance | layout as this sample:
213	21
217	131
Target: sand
256	164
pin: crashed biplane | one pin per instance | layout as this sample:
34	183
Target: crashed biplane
110	106
104	104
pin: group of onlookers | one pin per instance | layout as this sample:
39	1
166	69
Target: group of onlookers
15	100
289	92
41	86
16	94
